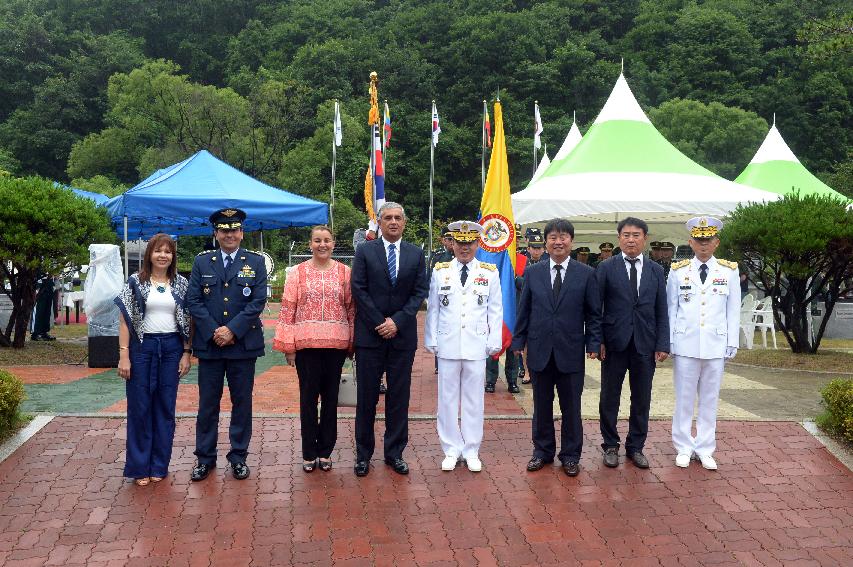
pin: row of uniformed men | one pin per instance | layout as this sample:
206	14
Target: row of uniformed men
464	327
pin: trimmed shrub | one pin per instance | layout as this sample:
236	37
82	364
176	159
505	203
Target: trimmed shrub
11	395
838	401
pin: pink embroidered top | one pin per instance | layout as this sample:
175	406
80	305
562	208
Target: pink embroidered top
317	309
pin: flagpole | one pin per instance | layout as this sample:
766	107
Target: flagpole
384	142
483	152
431	173
334	166
535	133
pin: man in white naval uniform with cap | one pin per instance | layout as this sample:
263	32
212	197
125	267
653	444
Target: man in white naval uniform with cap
463	327
703	297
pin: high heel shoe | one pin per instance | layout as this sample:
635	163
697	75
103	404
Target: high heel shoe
309	466
142	481
326	465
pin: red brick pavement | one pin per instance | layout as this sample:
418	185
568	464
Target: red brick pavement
51	374
779	498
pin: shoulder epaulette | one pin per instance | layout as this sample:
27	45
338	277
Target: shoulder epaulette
205	252
680	264
256	253
441	265
727	263
488	266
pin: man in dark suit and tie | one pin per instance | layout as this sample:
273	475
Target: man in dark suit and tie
558	319
389	284
635	326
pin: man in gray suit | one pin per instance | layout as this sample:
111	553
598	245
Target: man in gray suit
635	326
558	319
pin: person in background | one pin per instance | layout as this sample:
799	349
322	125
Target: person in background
666	253
43	309
605	251
314	332
154	353
536	253
582	255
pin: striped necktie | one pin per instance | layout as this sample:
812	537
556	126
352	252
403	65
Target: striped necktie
392	263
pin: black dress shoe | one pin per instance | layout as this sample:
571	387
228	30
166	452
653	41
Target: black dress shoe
490	388
639	459
382	388
537	463
240	471
37	338
571	468
200	472
399	465
513	388
361	468
46	337
611	457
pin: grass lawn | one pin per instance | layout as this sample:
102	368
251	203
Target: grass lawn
834	355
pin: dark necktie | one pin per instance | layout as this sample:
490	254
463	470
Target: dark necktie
464	276
392	263
703	272
633	277
558	281
227	264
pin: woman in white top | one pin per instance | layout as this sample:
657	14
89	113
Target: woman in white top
154	339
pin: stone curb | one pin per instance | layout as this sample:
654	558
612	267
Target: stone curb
841	452
13	443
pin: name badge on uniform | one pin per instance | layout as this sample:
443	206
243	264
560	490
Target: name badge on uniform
445	288
247	291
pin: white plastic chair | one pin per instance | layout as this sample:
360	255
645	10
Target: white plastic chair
747	319
763	320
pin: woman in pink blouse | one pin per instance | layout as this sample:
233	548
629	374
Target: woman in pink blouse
314	331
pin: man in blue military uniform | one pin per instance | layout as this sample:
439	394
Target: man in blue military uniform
226	296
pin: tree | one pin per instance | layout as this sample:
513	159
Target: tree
43	229
719	137
797	250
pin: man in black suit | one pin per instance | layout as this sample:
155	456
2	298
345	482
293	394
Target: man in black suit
389	284
635	326
558	319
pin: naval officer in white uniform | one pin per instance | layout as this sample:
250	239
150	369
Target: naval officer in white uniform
463	327
703	297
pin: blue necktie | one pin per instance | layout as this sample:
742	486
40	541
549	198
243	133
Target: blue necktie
392	263
227	264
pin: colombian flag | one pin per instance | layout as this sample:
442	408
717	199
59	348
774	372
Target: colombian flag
498	241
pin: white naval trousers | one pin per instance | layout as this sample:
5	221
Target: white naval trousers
461	383
692	377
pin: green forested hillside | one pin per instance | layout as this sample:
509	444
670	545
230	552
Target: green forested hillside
102	92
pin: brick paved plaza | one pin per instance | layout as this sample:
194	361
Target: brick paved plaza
779	498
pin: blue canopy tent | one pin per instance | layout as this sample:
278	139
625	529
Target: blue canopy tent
97	197
179	199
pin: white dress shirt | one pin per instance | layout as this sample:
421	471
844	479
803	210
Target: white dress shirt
564	263
396	251
639	265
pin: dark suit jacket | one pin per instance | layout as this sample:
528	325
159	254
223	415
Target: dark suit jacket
645	319
376	299
236	301
568	327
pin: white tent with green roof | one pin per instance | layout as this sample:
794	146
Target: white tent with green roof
775	168
624	166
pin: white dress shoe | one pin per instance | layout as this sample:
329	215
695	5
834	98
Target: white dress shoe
682	460
708	462
449	463
474	464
